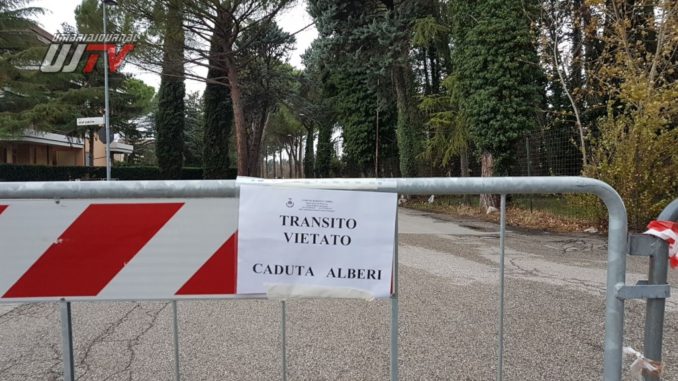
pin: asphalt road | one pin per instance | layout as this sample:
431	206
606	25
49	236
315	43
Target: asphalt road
448	320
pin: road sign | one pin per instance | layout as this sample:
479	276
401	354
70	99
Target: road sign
117	249
95	121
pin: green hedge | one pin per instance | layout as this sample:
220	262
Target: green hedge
11	172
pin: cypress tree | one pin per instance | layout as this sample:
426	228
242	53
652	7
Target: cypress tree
170	117
309	171
218	114
323	160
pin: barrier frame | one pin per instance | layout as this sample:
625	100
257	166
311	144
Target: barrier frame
617	230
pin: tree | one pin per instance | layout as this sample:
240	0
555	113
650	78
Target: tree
634	147
449	128
265	81
231	20
53	101
170	116
194	130
218	113
370	40
28	97
16	20
287	131
317	106
562	51
499	78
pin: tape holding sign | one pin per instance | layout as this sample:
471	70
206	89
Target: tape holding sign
117	249
341	240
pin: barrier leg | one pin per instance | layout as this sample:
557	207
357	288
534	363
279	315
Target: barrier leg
502	236
654	313
283	327
177	375
394	309
67	340
654	310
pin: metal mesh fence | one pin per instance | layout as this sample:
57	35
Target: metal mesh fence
548	152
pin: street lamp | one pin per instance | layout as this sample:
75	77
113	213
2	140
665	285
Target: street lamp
106	108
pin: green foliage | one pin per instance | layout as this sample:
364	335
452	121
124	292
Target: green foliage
499	76
323	161
218	115
633	148
15	24
285	125
11	172
52	101
170	117
265	81
309	171
361	44
218	124
427	30
194	130
170	127
639	161
448	128
317	105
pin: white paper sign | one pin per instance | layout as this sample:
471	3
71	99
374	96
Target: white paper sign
312	237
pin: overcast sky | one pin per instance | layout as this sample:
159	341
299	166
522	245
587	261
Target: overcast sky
62	11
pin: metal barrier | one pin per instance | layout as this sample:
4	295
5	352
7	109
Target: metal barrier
617	235
655	289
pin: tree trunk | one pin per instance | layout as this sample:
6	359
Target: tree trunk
407	124
238	113
274	172
290	164
309	170
218	112
91	147
170	115
255	141
487	168
300	155
324	153
464	171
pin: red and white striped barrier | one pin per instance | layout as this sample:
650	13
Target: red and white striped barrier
117	249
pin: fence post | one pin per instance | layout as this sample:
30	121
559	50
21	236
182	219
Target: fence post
529	165
177	374
67	340
655	308
394	309
502	240
283	333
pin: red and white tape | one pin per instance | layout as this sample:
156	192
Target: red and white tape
117	249
668	231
